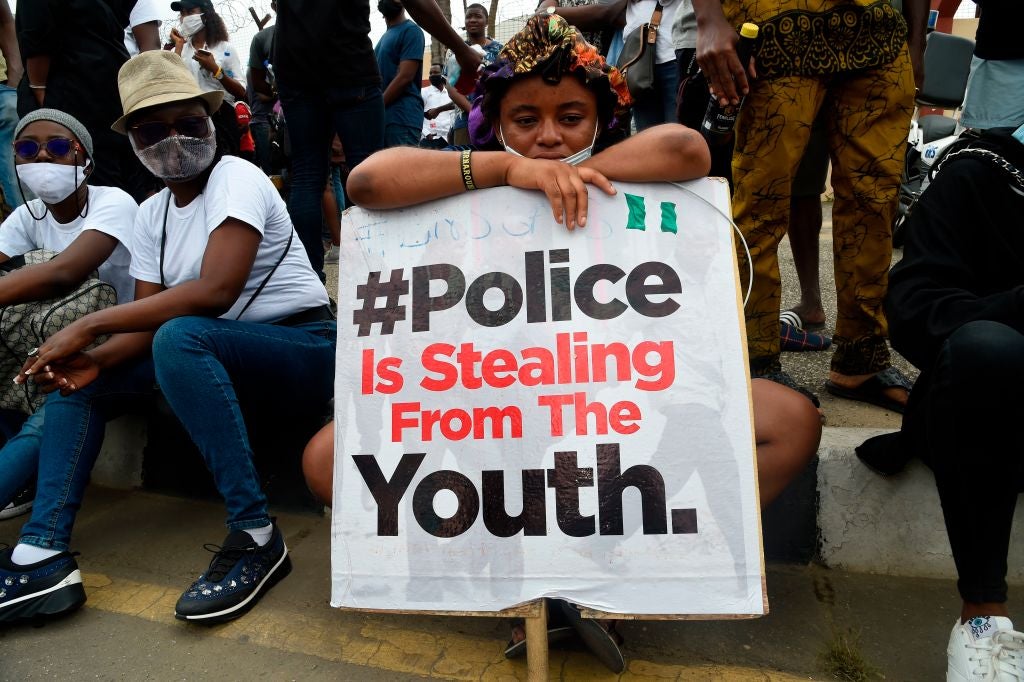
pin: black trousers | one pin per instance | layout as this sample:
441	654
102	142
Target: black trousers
965	425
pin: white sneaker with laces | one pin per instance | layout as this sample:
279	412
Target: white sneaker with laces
985	648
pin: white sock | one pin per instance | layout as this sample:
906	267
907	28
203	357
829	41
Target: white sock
29	554
261	535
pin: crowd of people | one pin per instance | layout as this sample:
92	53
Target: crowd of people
147	167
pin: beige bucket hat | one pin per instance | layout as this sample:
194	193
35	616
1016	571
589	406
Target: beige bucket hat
158	77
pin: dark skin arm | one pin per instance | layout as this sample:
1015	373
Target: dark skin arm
81	369
209	64
61	274
408	71
596	17
227	262
431	114
458	99
260	84
716	53
38	72
9	45
147	35
428	15
916	14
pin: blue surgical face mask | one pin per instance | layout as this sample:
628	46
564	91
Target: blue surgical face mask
573	160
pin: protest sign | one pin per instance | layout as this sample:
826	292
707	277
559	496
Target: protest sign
523	411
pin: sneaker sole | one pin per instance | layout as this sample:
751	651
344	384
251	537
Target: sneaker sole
10	511
280	570
64	597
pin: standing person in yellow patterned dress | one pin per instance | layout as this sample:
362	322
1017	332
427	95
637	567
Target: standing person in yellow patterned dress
858	60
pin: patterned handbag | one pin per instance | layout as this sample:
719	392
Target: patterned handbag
24	326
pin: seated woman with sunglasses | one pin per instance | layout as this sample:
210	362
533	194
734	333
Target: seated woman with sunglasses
545	104
90	228
228	316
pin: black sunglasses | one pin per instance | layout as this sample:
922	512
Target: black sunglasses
150	133
57	147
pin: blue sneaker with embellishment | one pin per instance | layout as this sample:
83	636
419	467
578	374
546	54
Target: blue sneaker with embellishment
46	588
240	573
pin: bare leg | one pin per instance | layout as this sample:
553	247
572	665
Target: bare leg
787	428
318	463
804	231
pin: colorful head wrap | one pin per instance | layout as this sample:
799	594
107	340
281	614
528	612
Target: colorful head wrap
548	47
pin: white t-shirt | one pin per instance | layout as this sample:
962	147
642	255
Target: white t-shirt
442	123
640	12
226	57
143	12
236	189
111	211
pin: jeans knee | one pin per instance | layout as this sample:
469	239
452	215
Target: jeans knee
177	333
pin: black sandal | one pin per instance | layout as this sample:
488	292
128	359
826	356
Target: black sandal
602	641
558	631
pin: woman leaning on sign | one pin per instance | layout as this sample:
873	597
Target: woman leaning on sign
545	106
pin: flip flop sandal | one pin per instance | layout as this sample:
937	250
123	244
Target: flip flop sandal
872	391
601	641
791	317
796	340
559	630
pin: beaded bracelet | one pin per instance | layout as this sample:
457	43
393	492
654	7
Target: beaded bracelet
467	171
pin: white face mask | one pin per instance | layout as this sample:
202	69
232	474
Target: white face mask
573	160
190	25
51	182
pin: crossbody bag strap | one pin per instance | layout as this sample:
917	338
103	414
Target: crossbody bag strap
654	24
269	275
163	243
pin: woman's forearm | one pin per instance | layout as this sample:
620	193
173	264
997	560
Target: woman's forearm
121	348
669	152
394	178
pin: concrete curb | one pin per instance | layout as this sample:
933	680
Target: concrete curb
893	525
858	520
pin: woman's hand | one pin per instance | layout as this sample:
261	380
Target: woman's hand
178	40
564	185
206	61
57	349
75	373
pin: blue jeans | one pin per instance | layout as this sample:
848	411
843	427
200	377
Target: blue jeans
356	114
397	135
19	457
8	122
660	106
207	369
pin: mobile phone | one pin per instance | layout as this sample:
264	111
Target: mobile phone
204	52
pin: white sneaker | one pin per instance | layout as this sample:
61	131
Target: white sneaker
985	648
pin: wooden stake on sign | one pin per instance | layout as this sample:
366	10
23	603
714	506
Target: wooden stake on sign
537	645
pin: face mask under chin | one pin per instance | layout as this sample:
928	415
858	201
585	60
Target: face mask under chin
573	159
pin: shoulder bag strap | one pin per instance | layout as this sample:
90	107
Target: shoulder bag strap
269	275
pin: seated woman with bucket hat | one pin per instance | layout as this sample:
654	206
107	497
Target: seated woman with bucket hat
228	316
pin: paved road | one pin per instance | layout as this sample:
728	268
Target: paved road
139	550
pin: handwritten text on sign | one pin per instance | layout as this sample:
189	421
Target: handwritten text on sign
522	411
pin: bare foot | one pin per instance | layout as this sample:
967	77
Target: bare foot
810	314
